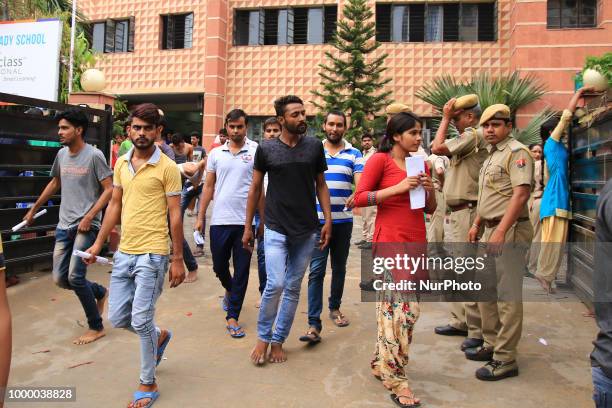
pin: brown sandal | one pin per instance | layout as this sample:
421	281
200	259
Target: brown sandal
338	318
312	336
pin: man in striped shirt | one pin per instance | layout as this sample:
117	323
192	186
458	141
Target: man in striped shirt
345	165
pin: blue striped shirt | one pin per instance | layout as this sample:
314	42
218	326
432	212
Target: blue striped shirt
339	177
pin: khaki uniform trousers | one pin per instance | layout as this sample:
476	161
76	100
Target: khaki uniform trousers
502	321
464	315
368	216
554	235
435	232
534	250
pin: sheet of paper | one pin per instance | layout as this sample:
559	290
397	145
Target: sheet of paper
414	166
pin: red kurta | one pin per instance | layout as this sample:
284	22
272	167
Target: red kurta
395	220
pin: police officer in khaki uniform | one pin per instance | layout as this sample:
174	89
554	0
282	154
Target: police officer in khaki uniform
504	184
467	153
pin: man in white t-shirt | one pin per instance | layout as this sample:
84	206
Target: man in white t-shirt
229	173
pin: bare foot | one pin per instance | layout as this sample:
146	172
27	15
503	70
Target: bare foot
258	303
143	402
89	337
191	277
162	337
258	355
406	397
101	303
277	354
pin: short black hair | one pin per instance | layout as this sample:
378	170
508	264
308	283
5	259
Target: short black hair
281	103
336	112
531	146
149	113
271	121
177	138
236	114
76	117
398	124
223	131
367	136
195	133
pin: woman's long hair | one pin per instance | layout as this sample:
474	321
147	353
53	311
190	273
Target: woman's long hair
398	124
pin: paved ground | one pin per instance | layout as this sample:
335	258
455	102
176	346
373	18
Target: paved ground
206	368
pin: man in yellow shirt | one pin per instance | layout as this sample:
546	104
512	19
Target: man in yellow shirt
147	186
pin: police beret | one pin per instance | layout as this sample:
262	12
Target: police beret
466	102
395	108
497	111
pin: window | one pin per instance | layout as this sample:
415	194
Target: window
571	13
450	22
177	31
113	35
300	25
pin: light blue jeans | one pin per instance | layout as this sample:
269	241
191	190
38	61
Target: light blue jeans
286	263
135	286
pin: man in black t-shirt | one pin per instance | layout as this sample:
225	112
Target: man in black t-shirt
601	357
295	165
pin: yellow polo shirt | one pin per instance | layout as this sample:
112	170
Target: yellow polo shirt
144	222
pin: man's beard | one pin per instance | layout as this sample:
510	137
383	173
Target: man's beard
143	143
297	130
334	141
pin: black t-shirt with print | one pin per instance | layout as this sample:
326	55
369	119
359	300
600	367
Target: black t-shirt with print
291	197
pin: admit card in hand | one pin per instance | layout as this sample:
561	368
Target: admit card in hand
415	165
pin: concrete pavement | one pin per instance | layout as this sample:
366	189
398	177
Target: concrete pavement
207	368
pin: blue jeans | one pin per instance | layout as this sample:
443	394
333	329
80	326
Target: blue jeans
135	286
602	384
186	197
69	271
338	249
286	262
261	257
226	242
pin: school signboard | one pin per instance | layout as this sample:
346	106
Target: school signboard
29	58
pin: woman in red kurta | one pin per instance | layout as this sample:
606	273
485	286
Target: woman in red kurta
384	183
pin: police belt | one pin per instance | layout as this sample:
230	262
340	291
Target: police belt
463	206
494	223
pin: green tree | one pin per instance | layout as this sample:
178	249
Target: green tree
353	82
512	90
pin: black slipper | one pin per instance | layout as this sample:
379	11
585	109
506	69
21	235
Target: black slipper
395	398
311	337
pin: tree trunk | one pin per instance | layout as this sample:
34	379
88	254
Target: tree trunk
5	10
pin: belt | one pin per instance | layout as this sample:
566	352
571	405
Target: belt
494	223
463	206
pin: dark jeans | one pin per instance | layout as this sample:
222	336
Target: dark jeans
602	384
226	242
261	258
69	271
186	197
188	257
338	248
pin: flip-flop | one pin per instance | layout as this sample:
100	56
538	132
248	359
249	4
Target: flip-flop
339	319
139	395
235	335
162	347
396	398
311	337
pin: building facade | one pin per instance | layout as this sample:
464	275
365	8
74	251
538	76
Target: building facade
199	59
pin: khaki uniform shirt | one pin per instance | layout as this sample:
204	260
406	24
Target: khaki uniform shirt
508	165
438	163
538	183
468	152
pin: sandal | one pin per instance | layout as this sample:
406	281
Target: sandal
338	318
396	398
235	333
140	395
312	336
162	348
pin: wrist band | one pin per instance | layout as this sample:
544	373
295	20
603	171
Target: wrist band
372	198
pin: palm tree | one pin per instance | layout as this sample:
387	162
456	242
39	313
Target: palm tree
511	90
